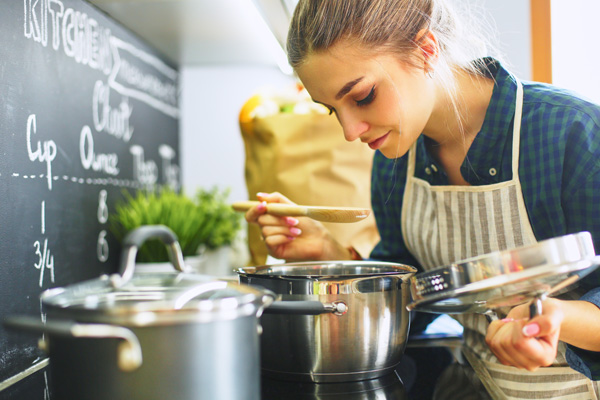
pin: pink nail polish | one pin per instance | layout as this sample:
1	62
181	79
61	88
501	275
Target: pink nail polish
291	237
261	194
262	206
531	330
291	221
295	231
507	320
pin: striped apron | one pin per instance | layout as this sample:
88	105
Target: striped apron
445	224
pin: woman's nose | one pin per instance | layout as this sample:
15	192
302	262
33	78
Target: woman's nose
353	127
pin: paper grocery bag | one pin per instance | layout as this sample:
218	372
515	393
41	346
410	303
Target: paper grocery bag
307	159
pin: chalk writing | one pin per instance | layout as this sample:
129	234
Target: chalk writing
45	261
102	247
75	102
46	387
45	152
102	244
145	172
148	83
157	89
43	218
83	39
102	207
97	162
115	121
170	170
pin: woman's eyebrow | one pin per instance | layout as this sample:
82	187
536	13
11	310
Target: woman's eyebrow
347	87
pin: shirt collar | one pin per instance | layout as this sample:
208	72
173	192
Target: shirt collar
485	156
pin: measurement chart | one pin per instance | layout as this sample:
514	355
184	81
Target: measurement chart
87	112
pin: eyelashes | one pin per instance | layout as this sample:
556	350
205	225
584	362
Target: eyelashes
368	99
360	103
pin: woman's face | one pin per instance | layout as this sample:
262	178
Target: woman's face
377	98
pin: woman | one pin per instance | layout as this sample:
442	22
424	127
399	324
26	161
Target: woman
468	160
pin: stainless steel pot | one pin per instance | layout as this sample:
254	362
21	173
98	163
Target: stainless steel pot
337	321
150	335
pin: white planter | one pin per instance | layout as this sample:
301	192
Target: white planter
215	262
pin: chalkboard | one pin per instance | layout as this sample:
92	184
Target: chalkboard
87	110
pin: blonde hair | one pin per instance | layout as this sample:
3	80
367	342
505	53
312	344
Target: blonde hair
394	26
387	25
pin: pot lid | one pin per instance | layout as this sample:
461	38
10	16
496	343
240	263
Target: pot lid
505	278
157	297
142	297
328	270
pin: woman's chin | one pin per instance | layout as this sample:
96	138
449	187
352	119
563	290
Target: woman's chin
393	152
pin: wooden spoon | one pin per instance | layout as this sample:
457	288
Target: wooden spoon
326	214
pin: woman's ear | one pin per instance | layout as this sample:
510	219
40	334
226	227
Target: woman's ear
428	48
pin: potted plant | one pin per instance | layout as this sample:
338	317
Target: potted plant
205	224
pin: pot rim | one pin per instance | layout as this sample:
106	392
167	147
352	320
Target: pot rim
297	270
97	301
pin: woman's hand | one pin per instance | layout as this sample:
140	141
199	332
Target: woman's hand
294	239
524	343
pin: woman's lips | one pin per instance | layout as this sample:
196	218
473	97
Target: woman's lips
377	143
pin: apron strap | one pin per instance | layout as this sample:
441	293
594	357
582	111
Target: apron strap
412	156
517	129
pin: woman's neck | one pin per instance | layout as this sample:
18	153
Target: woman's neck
454	125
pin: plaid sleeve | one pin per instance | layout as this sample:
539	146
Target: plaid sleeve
581	183
580	200
582	214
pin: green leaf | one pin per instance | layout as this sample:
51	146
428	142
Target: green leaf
205	220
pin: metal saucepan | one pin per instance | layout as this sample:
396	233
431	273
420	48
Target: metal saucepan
505	278
146	336
349	321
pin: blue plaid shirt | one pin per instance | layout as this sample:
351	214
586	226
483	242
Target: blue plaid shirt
559	170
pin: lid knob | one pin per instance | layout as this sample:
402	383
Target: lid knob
134	240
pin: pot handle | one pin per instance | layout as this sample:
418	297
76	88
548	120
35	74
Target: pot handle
129	353
134	240
306	308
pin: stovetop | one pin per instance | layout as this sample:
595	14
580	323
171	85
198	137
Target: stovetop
387	387
415	378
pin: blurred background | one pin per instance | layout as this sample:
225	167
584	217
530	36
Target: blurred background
228	50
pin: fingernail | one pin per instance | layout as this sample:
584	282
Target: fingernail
531	330
295	231
291	221
261	194
262	206
291	237
507	320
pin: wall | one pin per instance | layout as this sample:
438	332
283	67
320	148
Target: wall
575	56
511	20
211	143
212	149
